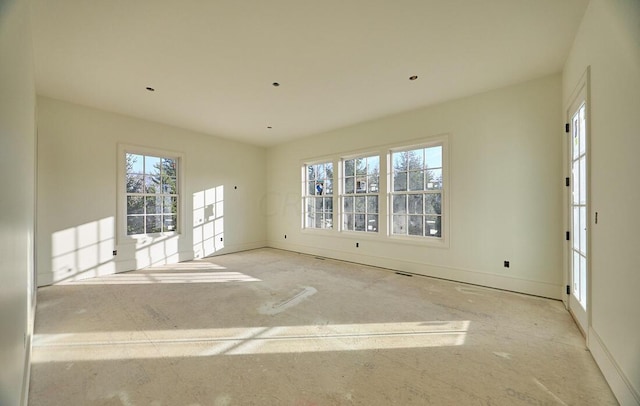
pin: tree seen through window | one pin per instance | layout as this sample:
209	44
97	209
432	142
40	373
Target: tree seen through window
152	194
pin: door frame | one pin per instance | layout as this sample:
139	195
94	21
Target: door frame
582	90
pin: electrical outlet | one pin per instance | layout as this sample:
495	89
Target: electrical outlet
115	252
285	236
506	264
220	238
357	244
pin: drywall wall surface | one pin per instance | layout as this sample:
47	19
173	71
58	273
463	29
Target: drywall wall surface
17	185
505	152
223	184
609	42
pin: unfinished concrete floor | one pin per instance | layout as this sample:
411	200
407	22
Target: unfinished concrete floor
270	327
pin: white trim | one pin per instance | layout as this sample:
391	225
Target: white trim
304	195
580	93
503	282
121	208
620	385
342	194
32	281
27	374
384	216
444	240
131	264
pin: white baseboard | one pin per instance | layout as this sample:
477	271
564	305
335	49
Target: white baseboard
618	382
239	247
27	373
130	264
549	290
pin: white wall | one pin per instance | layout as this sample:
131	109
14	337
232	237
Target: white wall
77	189
609	41
506	190
17	186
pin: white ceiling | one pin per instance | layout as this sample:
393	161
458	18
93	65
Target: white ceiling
339	62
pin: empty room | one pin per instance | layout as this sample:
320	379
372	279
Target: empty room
320	203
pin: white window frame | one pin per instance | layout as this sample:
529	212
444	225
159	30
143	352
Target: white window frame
385	209
343	195
443	240
121	212
306	195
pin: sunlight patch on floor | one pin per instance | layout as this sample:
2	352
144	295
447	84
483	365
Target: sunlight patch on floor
244	341
166	277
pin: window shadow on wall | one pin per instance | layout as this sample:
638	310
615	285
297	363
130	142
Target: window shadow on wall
208	222
83	251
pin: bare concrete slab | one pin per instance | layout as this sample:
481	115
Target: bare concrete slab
270	327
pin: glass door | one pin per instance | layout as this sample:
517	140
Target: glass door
578	213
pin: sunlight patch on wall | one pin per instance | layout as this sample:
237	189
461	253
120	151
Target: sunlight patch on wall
244	341
157	251
83	251
208	221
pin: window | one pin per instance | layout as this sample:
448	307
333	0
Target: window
151	194
361	180
318	195
416	192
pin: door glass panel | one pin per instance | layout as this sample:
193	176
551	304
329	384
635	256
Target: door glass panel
583	180
576	182
583	130
576	274
583	281
579	209
583	230
576	138
576	228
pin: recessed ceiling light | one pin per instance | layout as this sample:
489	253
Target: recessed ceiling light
414	77
276	84
151	89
